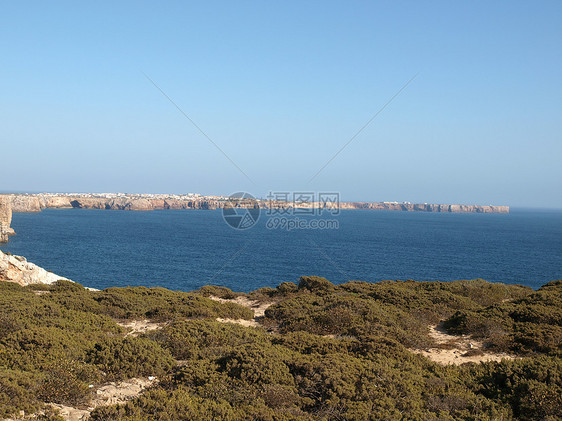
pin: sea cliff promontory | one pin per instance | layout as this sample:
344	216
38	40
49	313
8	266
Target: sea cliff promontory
145	202
5	218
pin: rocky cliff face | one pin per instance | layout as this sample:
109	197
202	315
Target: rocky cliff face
55	202
141	204
25	203
17	269
5	219
425	207
36	202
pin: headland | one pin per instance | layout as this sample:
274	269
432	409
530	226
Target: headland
5	218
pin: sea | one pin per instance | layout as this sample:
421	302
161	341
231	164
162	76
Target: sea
186	249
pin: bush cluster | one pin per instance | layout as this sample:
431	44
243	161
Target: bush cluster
528	325
55	341
340	352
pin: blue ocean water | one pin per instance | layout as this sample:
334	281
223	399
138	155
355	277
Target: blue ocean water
184	250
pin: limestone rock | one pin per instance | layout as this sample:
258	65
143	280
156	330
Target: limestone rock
425	207
89	203
140	205
145	202
55	202
25	203
5	218
17	269
158	203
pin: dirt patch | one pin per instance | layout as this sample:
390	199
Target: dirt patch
72	414
257	306
241	322
114	393
138	327
457	349
41	292
108	394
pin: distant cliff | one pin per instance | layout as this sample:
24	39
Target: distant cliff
5	218
425	207
36	202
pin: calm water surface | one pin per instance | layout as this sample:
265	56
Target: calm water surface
184	250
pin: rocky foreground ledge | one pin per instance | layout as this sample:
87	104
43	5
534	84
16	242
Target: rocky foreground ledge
17	269
145	202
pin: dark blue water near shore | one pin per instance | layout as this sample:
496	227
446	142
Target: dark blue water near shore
184	250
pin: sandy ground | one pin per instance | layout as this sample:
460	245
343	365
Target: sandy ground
114	393
258	307
138	327
40	292
459	346
108	394
455	351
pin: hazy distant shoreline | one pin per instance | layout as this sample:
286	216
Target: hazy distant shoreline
144	202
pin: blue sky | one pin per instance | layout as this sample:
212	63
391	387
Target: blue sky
280	87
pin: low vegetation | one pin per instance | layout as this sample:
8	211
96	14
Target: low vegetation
529	325
325	352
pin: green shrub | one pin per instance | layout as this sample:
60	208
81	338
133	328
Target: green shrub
187	339
527	325
218	291
170	406
39	287
161	304
286	288
346	314
262	294
532	387
66	382
257	365
18	392
315	284
122	358
339	352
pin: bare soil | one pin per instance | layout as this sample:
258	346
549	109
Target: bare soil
107	394
258	307
138	327
457	349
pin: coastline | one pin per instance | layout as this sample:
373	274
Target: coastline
443	247
145	202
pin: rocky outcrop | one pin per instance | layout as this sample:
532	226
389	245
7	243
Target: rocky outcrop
55	202
25	203
5	218
17	269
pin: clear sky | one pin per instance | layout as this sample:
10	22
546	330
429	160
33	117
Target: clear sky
280	87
